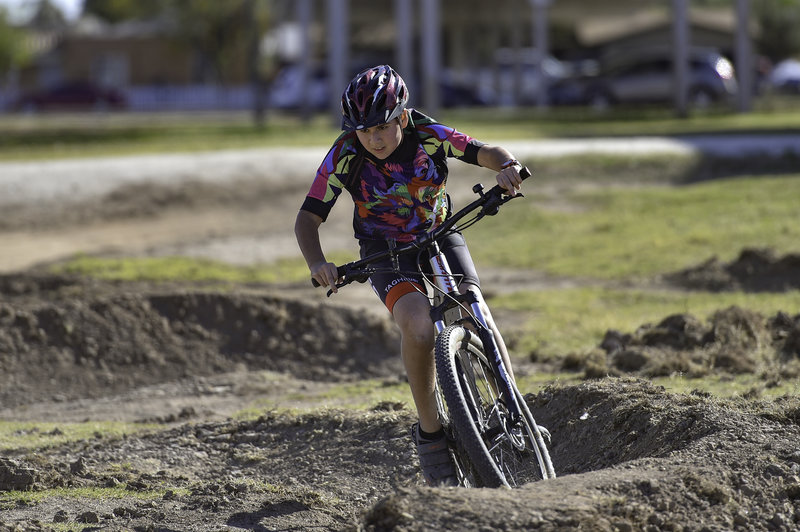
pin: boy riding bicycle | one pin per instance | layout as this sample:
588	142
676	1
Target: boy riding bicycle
393	162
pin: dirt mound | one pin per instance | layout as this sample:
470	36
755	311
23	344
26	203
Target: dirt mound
64	338
633	457
733	341
755	270
630	457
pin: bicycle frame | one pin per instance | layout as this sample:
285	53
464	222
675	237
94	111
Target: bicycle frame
451	298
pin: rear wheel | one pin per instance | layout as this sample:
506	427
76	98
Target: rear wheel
496	451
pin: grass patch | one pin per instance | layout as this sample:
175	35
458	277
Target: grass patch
35	497
563	321
366	394
96	134
508	123
64	136
610	232
17	435
665	169
623	233
359	396
726	386
182	269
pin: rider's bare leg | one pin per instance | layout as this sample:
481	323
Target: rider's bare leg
412	314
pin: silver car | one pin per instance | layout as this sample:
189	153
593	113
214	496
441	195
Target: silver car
650	79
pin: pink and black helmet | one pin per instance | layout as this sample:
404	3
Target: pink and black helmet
375	96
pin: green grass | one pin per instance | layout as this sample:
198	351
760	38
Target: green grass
609	233
730	386
769	116
163	269
34	497
361	395
621	233
64	136
562	321
16	435
672	169
94	134
722	386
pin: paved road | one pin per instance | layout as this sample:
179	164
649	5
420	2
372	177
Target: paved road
74	179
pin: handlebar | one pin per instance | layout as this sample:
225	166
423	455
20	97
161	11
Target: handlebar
489	203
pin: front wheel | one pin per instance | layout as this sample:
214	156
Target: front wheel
500	452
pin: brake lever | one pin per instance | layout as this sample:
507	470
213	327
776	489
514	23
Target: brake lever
361	277
492	206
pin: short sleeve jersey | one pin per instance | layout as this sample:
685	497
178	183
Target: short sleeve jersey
400	197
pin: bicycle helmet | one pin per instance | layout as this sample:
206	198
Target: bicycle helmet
375	96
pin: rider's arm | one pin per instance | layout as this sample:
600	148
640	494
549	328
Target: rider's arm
503	162
306	230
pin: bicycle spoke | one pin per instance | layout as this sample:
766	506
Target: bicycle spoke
501	446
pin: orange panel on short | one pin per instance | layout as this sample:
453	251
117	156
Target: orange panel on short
399	290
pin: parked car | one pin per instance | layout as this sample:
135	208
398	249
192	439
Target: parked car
72	97
458	90
501	86
785	77
650	79
286	88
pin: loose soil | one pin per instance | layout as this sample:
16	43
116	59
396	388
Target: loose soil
212	374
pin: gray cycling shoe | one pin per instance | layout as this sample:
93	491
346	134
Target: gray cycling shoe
434	459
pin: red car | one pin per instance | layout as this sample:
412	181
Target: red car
72	97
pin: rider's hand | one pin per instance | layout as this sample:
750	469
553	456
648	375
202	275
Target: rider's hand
326	275
509	178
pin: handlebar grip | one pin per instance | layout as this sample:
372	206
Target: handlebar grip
340	271
524	173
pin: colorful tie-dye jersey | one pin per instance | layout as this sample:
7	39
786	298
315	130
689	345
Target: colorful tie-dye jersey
402	196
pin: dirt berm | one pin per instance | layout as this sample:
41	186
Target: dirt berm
180	358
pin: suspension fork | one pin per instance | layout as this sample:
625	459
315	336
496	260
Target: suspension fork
445	281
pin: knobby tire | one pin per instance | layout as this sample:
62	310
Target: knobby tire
467	384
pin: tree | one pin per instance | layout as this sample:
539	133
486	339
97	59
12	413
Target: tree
11	50
224	35
48	17
779	20
114	11
218	31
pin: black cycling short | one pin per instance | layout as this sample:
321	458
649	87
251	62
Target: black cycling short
391	286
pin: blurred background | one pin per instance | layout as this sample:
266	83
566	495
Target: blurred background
294	57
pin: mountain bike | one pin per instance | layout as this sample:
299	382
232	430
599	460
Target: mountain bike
494	439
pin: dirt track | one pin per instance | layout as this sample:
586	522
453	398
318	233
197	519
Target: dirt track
183	359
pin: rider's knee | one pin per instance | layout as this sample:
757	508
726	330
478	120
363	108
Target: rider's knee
418	330
412	316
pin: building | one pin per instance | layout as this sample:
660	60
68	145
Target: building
158	69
